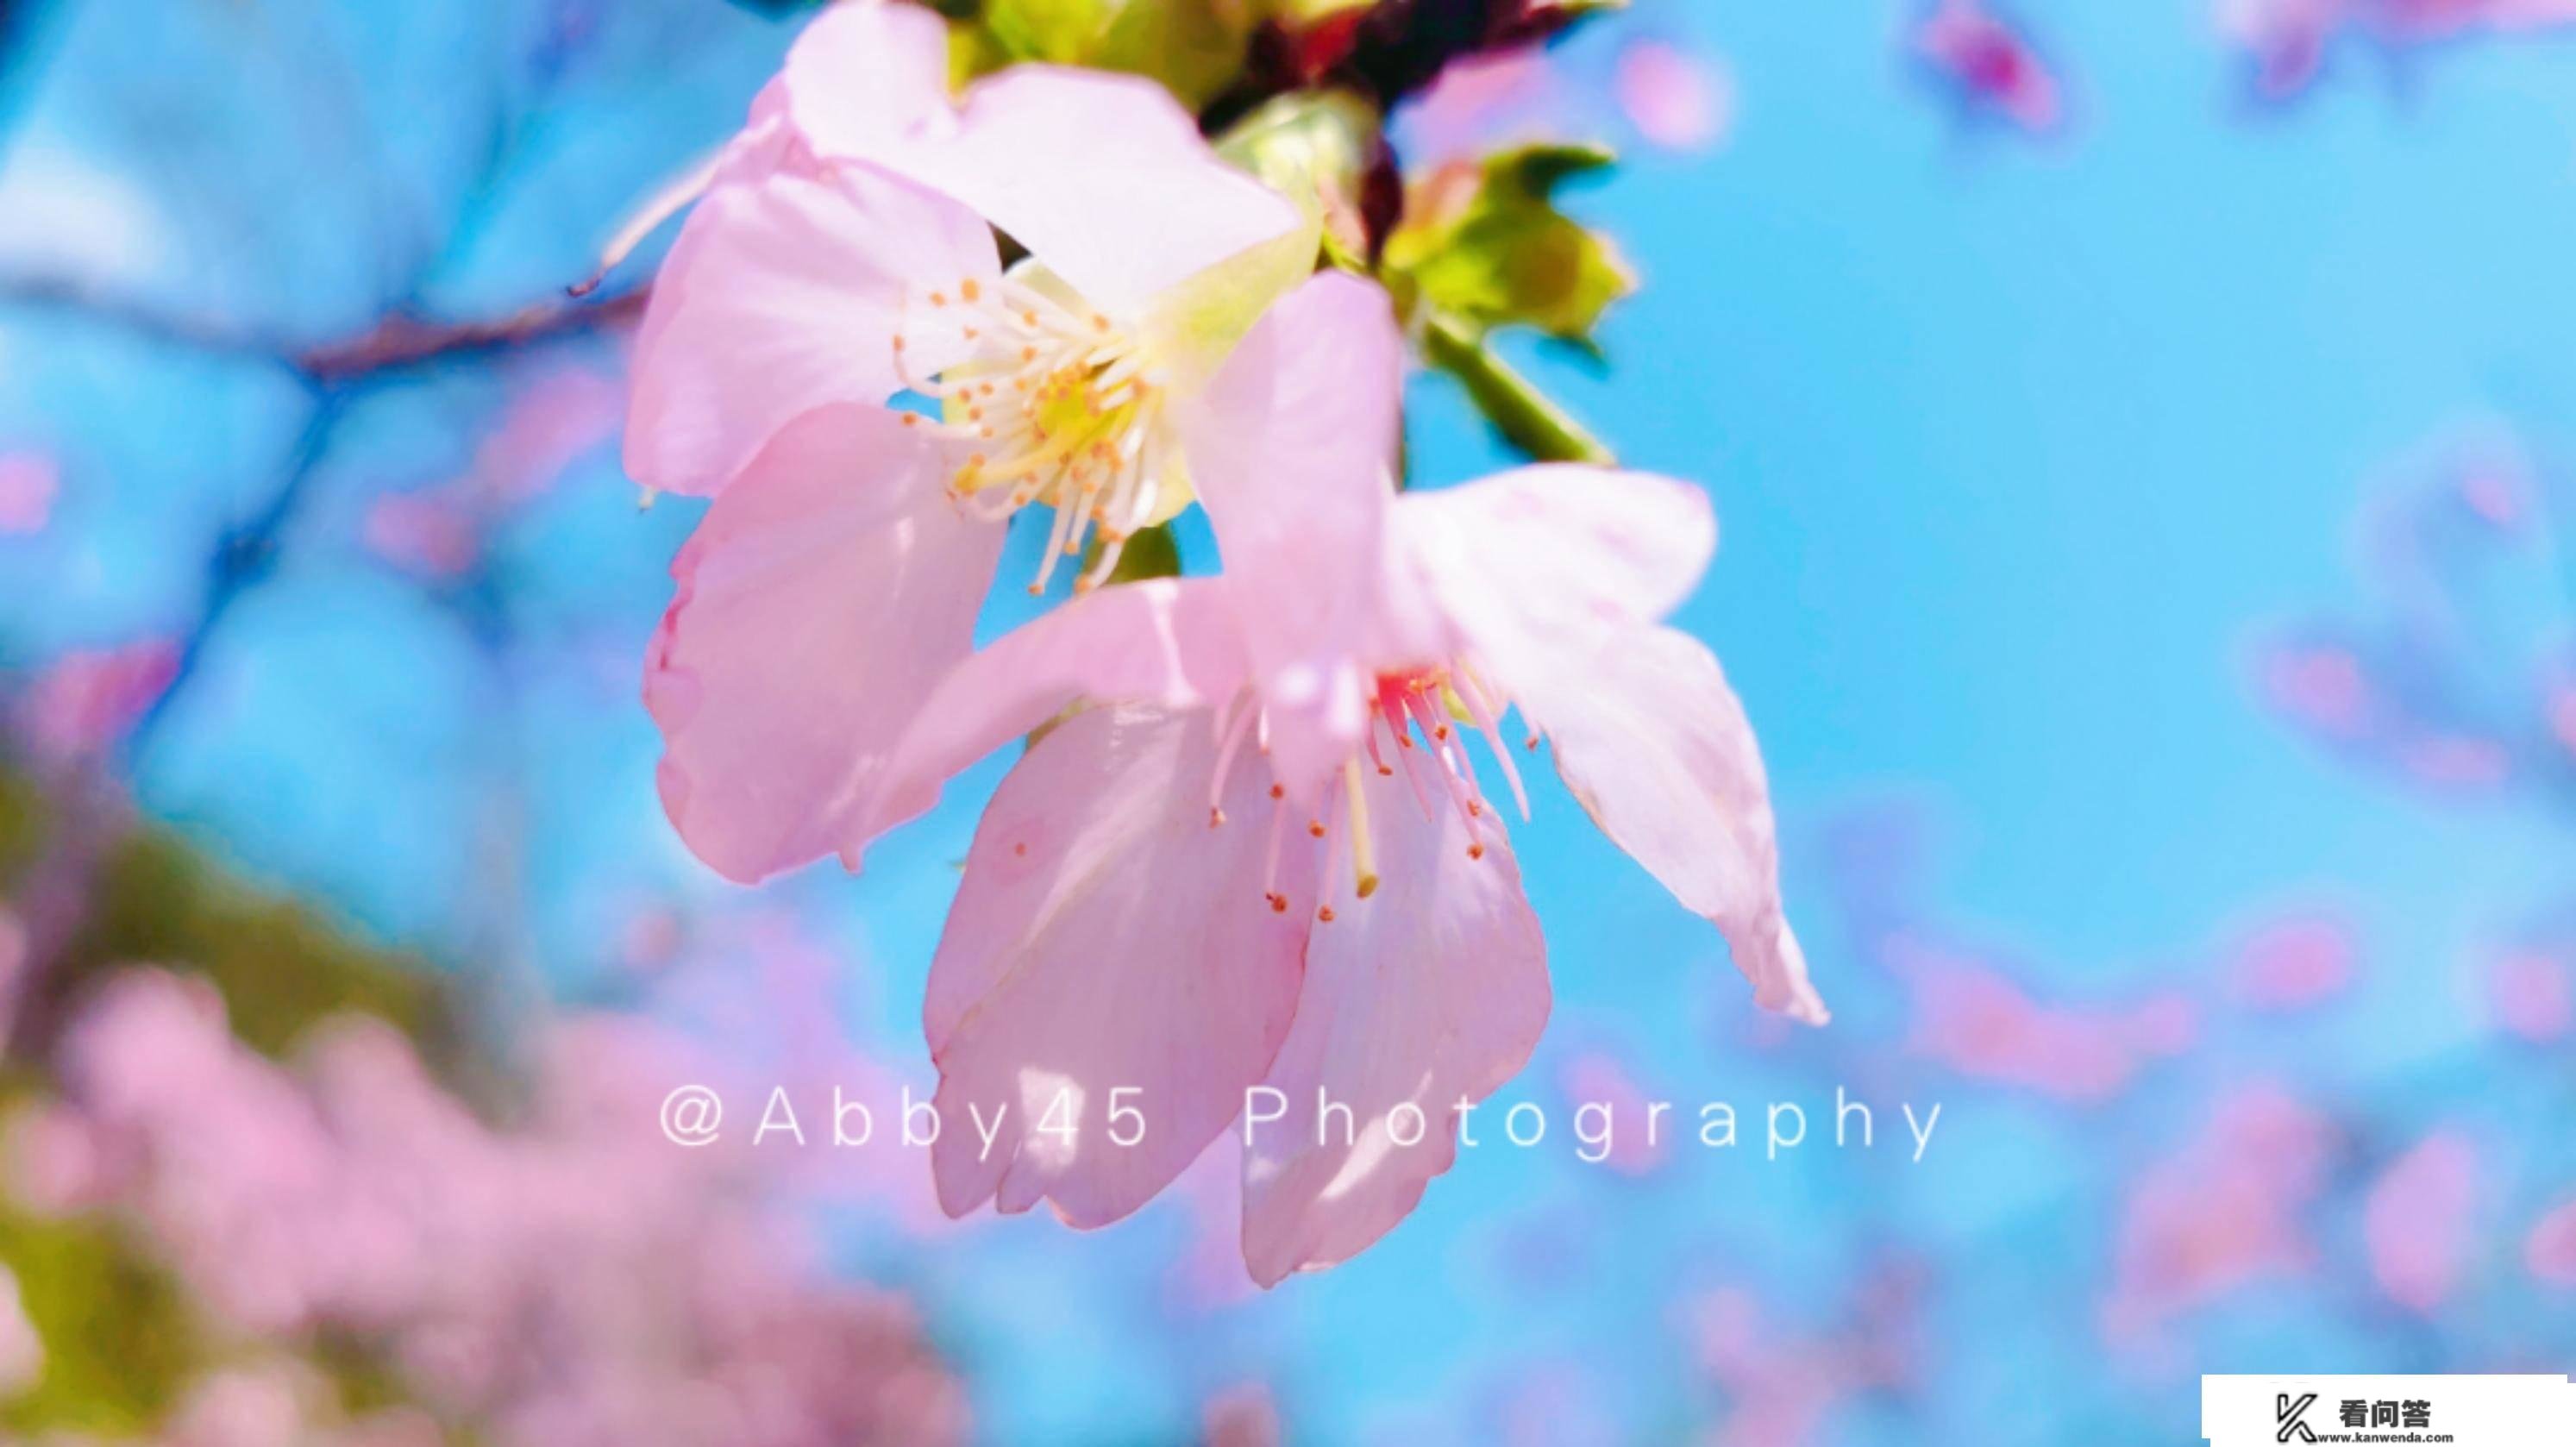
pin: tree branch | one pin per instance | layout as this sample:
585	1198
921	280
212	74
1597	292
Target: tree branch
397	342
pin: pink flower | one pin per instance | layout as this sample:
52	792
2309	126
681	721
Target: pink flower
2294	963
1990	63
1675	99
2530	995
569	1281
1979	1022
86	699
1267	859
2549	1251
2225	1210
29	482
844	253
2419	1221
2288	40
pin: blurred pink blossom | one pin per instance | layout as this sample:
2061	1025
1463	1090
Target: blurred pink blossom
2549	1252
1779	1388
284	1400
2294	963
1675	98
28	484
2221	1212
1782	1383
2418	1220
549	423
546	426
430	533
85	700
1241	1417
576	1282
1979	1022
2320	685
1989	64
2445	685
1672	97
2288	40
2530	994
1480	103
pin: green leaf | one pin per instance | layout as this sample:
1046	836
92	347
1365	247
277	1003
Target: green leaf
1194	47
149	895
1485	246
119	1337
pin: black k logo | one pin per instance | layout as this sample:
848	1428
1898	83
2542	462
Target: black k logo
2293	1417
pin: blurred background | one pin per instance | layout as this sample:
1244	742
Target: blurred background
2139	435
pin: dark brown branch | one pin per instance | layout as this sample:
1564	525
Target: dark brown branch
400	341
396	342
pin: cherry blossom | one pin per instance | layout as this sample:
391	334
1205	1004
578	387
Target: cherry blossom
1267	857
842	256
1990	64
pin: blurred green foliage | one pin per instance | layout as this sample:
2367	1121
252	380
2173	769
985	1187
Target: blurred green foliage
1487	246
1196	48
149	898
119	1337
280	967
121	1340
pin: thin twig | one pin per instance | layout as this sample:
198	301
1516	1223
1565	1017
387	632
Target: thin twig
397	341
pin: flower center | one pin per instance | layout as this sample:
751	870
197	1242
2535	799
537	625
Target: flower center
1060	405
1414	730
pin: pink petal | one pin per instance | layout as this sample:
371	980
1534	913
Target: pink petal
2419	1221
1290	452
1657	749
1542	555
784	294
1432	990
2549	1251
1107	937
1102	177
863	73
29	482
820	599
1168	642
1550	573
1676	100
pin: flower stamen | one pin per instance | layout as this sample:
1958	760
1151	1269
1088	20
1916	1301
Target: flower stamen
1067	410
